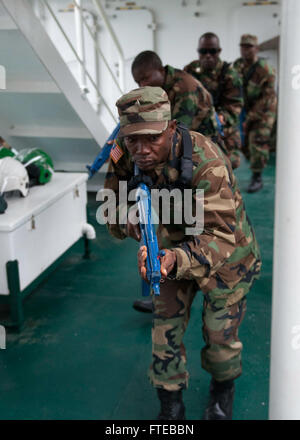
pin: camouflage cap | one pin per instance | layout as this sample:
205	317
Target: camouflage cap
145	110
249	39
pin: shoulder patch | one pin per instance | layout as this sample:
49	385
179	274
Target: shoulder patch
116	152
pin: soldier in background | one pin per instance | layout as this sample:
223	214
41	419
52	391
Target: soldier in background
222	261
191	104
260	104
225	86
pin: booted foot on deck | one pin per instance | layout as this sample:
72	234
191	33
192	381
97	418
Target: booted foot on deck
172	407
143	305
221	401
256	183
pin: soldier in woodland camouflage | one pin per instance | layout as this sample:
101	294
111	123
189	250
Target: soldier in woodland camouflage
191	103
260	107
222	262
225	86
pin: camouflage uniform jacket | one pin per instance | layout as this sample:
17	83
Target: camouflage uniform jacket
222	255
191	103
229	103
259	95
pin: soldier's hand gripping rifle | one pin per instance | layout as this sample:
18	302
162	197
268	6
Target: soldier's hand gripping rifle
149	240
104	153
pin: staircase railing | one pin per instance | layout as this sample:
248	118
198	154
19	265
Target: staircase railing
80	50
101	12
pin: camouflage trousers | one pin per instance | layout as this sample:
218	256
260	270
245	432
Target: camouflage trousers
221	356
257	147
232	154
232	141
234	157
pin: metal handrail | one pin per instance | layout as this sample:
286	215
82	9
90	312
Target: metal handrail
100	9
102	13
99	51
80	44
45	2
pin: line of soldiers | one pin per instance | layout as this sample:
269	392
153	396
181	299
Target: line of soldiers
239	97
208	97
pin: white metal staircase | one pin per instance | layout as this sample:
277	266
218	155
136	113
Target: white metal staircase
50	103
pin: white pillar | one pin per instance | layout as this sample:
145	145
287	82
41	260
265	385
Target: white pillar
285	338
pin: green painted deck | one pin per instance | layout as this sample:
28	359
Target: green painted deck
84	351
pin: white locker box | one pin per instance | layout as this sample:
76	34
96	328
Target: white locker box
38	229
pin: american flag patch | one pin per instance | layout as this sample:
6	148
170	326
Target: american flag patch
116	153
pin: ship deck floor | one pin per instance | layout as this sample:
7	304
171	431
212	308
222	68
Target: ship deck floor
83	352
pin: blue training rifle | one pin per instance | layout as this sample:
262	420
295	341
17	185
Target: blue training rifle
104	153
242	120
149	240
220	125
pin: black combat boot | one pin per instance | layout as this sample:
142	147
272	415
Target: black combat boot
172	407
256	183
221	400
143	305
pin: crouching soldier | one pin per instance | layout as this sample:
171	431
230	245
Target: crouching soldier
222	261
